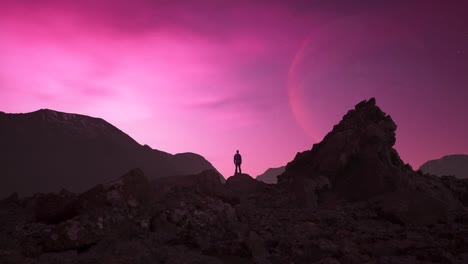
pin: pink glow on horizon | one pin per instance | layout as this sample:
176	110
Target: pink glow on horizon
172	89
206	77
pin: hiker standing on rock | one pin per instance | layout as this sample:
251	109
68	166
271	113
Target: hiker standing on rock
238	161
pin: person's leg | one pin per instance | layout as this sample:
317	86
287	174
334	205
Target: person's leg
236	169
240	170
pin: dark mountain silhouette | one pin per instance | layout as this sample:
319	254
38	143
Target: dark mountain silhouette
456	165
48	150
356	162
269	176
350	199
355	159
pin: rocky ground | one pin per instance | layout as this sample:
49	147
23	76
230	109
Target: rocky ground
348	200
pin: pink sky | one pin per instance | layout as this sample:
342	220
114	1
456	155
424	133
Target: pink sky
269	78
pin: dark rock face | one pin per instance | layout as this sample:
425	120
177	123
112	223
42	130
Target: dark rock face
243	184
356	162
458	187
206	183
308	217
452	165
356	157
269	176
54	208
46	151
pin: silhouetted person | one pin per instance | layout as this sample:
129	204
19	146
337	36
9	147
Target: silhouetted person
238	161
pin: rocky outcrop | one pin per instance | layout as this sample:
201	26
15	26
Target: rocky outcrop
76	222
458	187
54	208
243	184
356	162
451	165
356	157
308	217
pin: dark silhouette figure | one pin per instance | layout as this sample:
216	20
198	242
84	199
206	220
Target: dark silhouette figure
238	161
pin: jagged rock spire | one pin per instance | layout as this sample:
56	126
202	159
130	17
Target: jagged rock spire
356	159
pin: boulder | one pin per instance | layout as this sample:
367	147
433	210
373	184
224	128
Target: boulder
72	234
11	199
130	190
243	184
54	208
207	183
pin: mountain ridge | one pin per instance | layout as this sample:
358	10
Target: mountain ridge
85	149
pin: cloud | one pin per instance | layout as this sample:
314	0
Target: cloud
162	55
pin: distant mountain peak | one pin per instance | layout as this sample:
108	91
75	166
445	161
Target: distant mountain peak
456	165
269	176
74	123
455	156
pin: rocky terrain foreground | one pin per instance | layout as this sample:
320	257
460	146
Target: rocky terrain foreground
350	199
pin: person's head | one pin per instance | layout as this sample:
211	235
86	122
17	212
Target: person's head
237	151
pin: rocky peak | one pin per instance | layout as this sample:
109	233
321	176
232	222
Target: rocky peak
356	162
355	159
371	122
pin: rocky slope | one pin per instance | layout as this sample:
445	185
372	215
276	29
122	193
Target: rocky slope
269	176
387	214
455	165
46	151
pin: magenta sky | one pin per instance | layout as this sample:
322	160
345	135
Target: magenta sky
269	78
